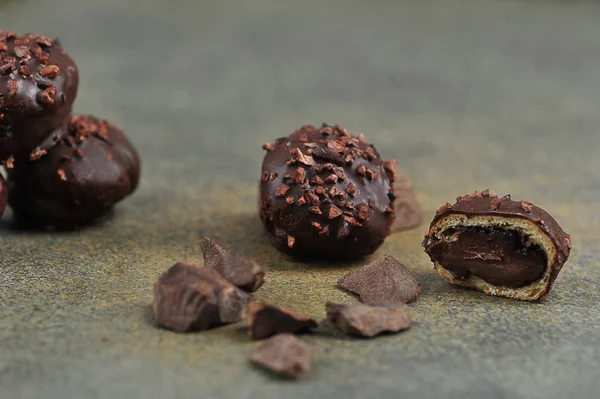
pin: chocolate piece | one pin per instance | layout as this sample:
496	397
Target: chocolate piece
408	211
38	84
240	270
189	298
384	279
78	176
496	245
266	319
283	354
3	194
344	181
369	319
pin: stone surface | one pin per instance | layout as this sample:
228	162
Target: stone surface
465	94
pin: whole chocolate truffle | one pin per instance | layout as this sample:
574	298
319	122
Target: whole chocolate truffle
38	84
89	168
326	194
498	246
3	194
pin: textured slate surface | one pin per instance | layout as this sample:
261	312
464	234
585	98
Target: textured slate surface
465	94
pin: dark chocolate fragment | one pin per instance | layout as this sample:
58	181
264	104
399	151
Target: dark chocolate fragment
369	319
240	270
332	197
81	173
498	246
3	195
408	211
283	354
266	319
191	298
384	279
38	84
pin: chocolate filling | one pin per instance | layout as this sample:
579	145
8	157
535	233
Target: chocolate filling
499	257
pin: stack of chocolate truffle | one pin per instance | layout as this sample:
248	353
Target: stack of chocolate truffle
63	169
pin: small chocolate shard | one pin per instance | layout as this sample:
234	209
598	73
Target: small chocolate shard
298	156
361	170
291	241
267	319
299	175
369	319
284	355
384	279
191	298
408	212
238	269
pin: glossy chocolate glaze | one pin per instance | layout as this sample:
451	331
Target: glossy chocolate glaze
38	84
90	167
326	194
499	257
3	195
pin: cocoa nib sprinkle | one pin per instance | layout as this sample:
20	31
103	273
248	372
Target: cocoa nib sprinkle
267	319
189	298
238	269
369	319
284	355
384	279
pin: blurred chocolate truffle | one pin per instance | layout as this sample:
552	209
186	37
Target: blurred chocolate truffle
38	84
3	194
87	168
325	193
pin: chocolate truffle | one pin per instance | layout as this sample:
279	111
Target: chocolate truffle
327	194
3	195
38	84
89	167
498	246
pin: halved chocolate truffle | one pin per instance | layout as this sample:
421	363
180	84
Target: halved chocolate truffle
498	246
88	167
325	193
38	84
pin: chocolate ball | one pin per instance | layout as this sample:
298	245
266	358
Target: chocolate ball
89	168
326	194
38	84
3	195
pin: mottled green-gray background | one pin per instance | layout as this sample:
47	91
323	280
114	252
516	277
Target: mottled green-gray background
465	94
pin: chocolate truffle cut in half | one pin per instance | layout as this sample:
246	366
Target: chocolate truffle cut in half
325	193
38	84
498	246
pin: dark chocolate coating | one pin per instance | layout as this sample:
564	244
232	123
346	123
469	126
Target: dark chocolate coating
38	84
90	167
488	203
326	194
496	256
3	195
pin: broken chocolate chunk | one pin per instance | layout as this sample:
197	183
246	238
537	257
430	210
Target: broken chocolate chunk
240	270
190	298
408	211
267	319
501	247
369	319
384	279
283	354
